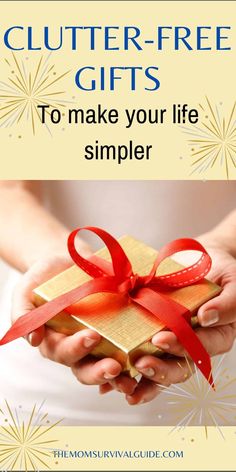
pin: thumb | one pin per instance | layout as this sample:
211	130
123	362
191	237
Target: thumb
22	304
220	310
36	337
23	299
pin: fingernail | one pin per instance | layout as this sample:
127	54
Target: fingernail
129	398
163	346
131	401
148	371
89	342
29	338
116	386
106	390
109	376
209	318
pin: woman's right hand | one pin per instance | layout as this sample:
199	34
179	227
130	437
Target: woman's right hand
72	351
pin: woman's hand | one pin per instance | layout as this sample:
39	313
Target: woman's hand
217	318
72	351
217	331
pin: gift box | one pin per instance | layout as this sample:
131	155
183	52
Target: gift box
126	327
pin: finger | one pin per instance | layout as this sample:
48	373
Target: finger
145	392
124	384
68	350
105	388
90	371
21	304
164	372
36	337
220	310
167	341
23	297
216	340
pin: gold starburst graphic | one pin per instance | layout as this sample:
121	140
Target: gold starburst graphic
24	445
213	141
196	403
26	88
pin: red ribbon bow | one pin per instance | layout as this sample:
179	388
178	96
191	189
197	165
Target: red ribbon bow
118	277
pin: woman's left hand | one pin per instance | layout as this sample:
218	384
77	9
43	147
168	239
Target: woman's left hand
217	332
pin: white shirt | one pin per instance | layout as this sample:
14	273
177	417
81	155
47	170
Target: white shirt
153	211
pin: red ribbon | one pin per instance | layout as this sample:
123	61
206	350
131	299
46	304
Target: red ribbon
149	291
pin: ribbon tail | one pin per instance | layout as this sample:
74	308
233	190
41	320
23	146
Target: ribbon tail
39	316
171	314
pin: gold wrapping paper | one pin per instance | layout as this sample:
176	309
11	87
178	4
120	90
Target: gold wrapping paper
126	327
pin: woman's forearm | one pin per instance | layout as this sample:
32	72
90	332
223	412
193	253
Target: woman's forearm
224	234
27	229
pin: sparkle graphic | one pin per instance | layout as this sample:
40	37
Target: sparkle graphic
196	403
25	89
213	141
24	445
